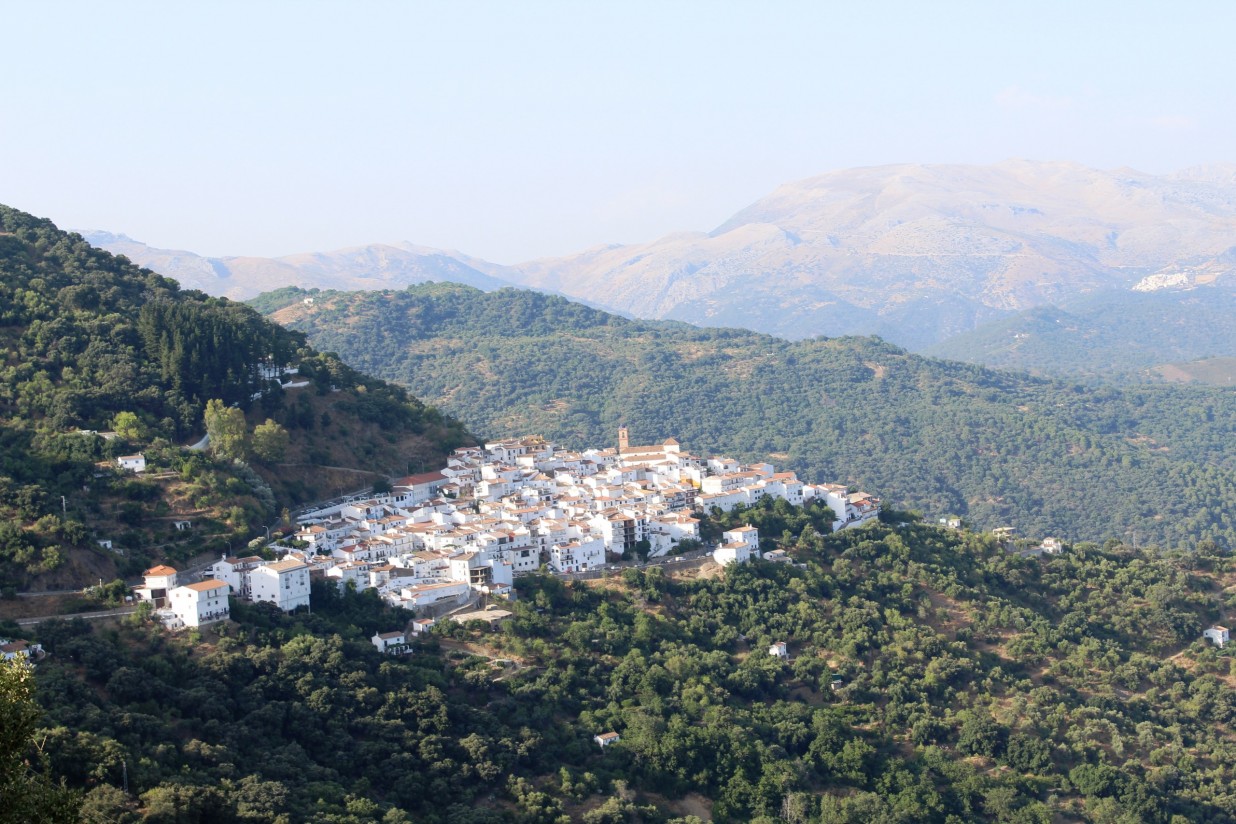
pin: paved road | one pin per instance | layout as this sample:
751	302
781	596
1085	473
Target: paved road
48	592
89	616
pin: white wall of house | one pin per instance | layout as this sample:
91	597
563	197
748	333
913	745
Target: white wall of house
748	535
577	556
284	584
133	463
201	603
388	641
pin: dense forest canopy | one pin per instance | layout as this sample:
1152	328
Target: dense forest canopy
92	344
932	676
1110	336
1142	464
90	335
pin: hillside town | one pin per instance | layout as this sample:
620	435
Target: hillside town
436	541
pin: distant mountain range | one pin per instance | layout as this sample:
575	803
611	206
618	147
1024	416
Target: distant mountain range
999	448
914	253
376	266
1114	334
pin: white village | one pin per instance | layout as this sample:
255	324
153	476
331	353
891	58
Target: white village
438	542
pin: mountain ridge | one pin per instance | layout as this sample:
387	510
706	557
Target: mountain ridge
1000	448
915	253
368	266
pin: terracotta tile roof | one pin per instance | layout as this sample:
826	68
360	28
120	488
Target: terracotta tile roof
206	586
286	565
423	478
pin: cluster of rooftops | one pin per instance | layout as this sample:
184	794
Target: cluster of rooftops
518	505
438	541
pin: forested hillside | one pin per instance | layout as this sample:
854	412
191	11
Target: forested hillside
1110	336
1147	464
93	344
932	676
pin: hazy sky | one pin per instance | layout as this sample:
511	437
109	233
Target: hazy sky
522	129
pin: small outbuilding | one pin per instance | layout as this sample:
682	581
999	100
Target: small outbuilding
606	738
1217	635
133	463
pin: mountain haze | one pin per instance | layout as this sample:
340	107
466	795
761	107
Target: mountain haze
1114	334
914	253
375	266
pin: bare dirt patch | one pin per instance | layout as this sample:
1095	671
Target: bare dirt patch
954	617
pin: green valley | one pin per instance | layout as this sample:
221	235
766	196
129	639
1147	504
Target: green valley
1145	464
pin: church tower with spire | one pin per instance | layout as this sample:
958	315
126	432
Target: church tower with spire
624	439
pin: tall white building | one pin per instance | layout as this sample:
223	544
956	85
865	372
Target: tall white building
739	546
202	603
284	584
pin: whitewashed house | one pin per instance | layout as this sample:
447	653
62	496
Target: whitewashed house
1217	635
235	572
202	603
283	583
738	546
665	531
578	556
606	738
132	463
779	650
159	581
19	648
356	572
422	625
391	643
429	594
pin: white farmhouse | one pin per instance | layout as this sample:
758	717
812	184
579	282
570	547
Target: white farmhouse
392	643
202	603
132	463
1052	546
19	648
1217	635
283	583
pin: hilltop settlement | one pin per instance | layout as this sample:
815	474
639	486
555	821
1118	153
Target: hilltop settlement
438	540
